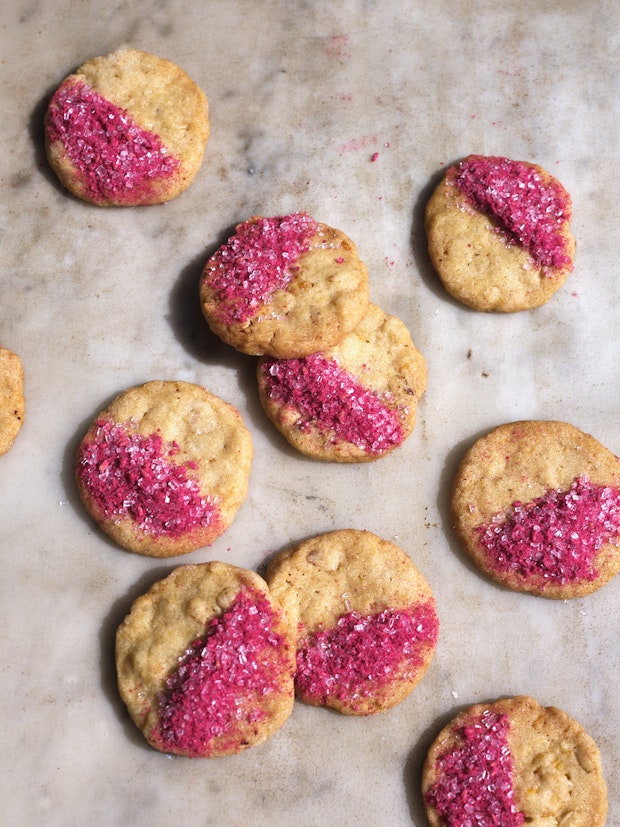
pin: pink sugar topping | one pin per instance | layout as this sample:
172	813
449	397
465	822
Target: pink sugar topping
116	158
256	261
330	399
361	654
474	780
554	538
529	210
220	685
132	476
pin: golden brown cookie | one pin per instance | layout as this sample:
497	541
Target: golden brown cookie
164	468
514	762
354	402
365	618
499	233
285	286
205	661
536	505
127	129
12	404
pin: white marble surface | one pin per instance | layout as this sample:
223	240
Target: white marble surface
302	94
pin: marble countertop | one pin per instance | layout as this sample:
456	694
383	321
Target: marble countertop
302	94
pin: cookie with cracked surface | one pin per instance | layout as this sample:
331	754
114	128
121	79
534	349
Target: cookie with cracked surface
499	234
514	762
205	661
12	403
285	286
127	129
365	616
536	505
164	468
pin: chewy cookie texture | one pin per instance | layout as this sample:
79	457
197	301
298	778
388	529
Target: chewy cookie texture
12	403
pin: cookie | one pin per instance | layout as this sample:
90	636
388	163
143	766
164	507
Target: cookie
536	505
12	404
514	762
365	616
285	286
205	662
499	233
354	402
164	468
127	129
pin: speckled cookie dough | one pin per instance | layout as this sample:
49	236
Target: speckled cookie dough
12	403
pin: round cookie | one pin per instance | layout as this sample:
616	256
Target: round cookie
164	468
127	129
514	762
536	505
12	404
354	402
205	661
285	286
498	233
365	618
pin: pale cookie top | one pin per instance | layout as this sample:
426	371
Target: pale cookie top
498	233
514	762
536	505
205	661
285	286
12	404
165	467
354	402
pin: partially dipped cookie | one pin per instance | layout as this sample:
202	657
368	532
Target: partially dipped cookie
12	403
499	234
127	129
365	616
205	662
354	402
536	505
164	468
285	286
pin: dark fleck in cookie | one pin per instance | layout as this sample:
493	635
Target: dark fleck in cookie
164	468
127	129
285	286
536	505
498	233
205	662
366	620
12	404
514	762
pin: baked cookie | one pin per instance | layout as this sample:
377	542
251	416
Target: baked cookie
164	468
284	286
355	401
127	129
536	505
205	662
514	762
498	233
12	405
365	618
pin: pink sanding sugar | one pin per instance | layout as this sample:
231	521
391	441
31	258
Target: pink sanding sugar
555	537
130	475
257	260
329	398
474	780
364	653
530	211
222	680
115	157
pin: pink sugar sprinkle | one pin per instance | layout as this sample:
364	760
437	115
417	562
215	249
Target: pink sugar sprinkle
130	475
115	157
556	537
474	781
256	261
529	211
361	654
223	678
329	398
